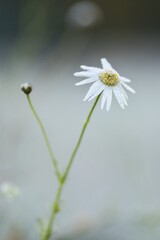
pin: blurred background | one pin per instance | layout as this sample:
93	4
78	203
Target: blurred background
113	190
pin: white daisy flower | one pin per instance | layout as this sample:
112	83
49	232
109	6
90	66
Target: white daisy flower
105	80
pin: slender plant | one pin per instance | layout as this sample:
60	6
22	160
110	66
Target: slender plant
105	81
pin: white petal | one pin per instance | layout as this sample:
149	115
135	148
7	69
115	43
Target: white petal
105	64
119	97
123	79
93	69
109	100
128	87
122	89
84	74
100	89
88	80
104	97
92	90
124	98
123	94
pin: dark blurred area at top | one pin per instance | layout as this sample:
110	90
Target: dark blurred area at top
33	27
48	16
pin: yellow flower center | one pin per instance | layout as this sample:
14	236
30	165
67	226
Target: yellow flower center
109	79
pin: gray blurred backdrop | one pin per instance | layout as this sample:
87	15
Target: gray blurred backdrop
113	190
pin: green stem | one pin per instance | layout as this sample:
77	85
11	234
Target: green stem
55	209
79	139
47	234
46	139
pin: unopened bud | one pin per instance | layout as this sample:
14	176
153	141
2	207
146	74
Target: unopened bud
26	88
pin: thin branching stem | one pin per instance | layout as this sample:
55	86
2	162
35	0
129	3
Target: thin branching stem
79	139
55	208
46	139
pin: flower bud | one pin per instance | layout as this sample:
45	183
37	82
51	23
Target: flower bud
26	88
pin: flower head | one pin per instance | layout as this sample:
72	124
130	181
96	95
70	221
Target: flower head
105	80
9	190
